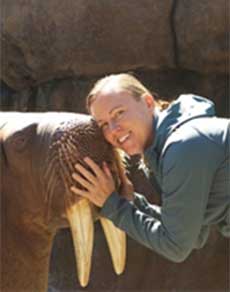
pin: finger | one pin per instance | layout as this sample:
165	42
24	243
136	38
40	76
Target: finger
83	182
107	169
79	192
86	173
95	168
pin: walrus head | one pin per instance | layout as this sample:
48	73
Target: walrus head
38	153
73	140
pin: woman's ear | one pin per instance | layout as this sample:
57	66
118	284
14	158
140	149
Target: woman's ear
149	100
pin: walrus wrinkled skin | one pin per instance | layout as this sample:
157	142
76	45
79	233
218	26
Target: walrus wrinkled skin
38	153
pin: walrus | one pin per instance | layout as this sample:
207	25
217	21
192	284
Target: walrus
38	153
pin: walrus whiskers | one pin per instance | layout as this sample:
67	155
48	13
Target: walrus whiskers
71	142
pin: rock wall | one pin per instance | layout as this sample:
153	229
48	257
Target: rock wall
52	52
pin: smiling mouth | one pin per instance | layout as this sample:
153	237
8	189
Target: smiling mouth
123	139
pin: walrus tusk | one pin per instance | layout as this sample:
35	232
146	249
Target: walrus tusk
116	239
82	227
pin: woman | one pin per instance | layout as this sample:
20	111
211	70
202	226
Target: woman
185	146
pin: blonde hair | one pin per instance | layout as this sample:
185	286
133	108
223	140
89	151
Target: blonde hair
123	81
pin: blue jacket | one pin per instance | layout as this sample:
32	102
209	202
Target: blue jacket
190	158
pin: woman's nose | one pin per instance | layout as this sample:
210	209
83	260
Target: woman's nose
114	126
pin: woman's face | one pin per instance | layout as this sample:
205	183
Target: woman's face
125	121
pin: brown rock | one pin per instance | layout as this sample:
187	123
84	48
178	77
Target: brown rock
53	39
202	29
69	94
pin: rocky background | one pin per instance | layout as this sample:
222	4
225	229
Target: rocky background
53	51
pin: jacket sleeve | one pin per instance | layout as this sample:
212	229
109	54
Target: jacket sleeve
187	176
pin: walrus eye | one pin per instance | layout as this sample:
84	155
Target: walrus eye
20	139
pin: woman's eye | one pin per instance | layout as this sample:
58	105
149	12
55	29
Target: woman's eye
119	114
104	126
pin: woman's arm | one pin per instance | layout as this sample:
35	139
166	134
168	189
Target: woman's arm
187	178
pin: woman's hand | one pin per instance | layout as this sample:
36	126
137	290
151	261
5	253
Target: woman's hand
98	185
